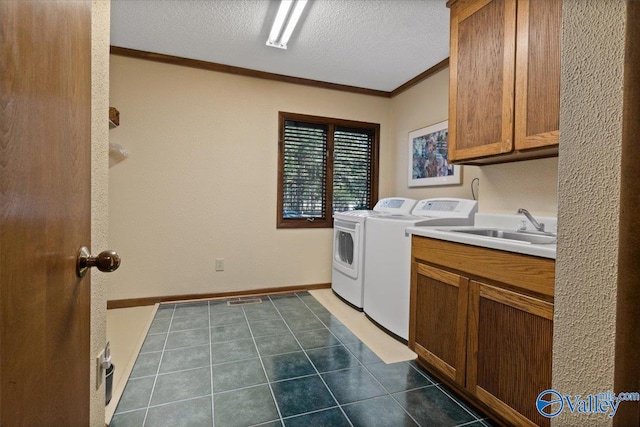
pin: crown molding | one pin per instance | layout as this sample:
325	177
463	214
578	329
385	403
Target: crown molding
222	68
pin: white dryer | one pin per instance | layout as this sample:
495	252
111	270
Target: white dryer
388	258
348	246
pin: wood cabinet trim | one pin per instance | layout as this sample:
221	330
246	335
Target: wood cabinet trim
525	138
440	275
518	155
521	302
453	86
508	414
539	140
524	272
472	338
462	331
522	67
413	305
464	9
486	150
436	362
509	73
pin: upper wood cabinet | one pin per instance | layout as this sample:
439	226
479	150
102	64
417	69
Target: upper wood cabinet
504	99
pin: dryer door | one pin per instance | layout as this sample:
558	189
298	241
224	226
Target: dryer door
346	247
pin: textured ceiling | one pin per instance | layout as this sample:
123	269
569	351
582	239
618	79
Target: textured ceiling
373	44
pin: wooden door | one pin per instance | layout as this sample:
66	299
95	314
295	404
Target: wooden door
45	114
509	352
537	114
438	318
481	87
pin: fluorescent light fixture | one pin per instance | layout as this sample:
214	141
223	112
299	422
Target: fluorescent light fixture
277	37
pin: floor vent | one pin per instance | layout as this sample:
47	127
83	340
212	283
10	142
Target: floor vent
245	301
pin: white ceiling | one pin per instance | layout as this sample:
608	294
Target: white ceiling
373	44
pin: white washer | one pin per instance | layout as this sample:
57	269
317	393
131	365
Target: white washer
348	246
388	258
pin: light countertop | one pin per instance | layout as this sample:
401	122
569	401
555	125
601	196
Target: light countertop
511	222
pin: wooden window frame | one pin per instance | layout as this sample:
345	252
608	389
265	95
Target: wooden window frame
326	222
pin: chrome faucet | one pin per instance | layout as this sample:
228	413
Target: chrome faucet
538	226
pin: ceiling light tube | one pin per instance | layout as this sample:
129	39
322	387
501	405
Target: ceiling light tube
293	21
277	37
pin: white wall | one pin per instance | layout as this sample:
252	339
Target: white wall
422	105
201	180
531	185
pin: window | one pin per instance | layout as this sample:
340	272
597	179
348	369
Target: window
324	166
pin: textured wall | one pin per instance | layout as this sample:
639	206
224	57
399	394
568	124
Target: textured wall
99	191
627	375
588	201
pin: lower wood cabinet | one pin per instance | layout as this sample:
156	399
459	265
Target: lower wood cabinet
441	321
485	338
509	351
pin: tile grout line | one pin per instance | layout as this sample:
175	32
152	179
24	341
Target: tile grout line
438	386
304	351
456	400
266	376
385	388
365	367
298	377
195	368
311	412
168	403
360	364
402	391
155	379
468	423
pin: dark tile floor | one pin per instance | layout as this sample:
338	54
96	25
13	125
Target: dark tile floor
283	362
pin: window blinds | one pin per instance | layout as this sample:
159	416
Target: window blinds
325	160
351	169
304	174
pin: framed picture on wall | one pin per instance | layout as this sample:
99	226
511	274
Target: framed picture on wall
428	151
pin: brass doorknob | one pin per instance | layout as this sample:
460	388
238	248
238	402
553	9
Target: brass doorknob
106	261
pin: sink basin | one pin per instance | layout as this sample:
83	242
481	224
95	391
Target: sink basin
522	236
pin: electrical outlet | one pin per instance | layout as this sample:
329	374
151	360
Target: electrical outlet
99	369
219	264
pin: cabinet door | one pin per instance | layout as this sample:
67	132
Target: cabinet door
537	114
439	319
509	352
482	76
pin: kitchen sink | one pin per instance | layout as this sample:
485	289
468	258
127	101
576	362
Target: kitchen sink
522	236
